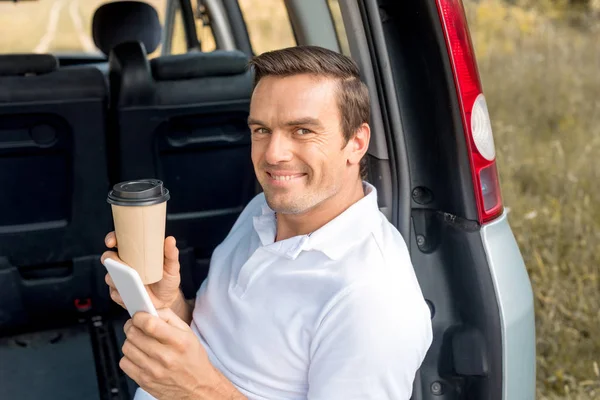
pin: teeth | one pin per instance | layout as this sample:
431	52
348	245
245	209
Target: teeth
282	177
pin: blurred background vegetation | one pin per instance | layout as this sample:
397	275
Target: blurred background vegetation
539	62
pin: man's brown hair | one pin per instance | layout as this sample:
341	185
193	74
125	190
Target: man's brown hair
353	95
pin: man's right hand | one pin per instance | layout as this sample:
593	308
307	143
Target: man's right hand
164	293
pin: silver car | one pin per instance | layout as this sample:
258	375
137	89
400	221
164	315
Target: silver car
73	124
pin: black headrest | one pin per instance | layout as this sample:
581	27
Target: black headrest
126	21
25	64
199	65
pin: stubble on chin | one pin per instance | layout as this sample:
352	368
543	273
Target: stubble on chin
283	206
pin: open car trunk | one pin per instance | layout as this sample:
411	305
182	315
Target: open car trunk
75	361
60	335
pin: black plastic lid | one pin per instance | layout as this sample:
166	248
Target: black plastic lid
141	192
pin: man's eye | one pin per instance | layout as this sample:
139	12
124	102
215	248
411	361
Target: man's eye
261	131
303	131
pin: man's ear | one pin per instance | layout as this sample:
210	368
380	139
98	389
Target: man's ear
359	144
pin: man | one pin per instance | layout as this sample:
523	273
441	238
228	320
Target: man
312	295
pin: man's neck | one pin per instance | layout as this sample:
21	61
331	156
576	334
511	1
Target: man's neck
290	225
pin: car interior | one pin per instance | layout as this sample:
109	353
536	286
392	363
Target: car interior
74	130
73	125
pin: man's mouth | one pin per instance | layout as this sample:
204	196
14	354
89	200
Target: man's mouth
284	177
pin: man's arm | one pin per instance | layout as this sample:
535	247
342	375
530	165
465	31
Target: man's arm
167	360
370	344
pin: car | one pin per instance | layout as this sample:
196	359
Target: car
74	124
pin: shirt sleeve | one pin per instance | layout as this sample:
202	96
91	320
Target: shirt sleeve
141	394
370	345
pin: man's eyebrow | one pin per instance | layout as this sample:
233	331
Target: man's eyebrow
252	121
295	122
304	121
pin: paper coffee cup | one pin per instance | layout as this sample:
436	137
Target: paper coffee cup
139	210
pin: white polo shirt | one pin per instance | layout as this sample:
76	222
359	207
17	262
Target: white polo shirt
337	314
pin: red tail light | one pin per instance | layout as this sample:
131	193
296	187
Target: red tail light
478	132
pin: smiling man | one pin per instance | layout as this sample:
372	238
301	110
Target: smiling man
312	295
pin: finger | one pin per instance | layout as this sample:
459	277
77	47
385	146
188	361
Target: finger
146	343
171	257
112	291
127	325
116	297
110	254
155	327
167	315
132	370
135	355
109	281
110	240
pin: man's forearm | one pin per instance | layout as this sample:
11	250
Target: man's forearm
183	308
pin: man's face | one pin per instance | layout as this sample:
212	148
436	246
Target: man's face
298	149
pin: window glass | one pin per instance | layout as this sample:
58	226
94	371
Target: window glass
340	30
205	35
268	24
52	26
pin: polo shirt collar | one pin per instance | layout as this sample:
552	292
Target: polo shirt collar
339	235
333	239
265	225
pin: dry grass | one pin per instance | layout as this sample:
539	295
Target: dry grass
542	83
268	24
23	25
28	22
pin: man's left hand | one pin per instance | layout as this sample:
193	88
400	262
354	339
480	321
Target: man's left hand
167	360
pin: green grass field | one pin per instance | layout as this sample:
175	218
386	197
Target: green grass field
541	80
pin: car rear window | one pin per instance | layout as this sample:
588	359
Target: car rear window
268	24
53	26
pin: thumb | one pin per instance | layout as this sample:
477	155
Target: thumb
167	315
171	258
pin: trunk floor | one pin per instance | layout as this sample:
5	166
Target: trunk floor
120	336
59	364
56	364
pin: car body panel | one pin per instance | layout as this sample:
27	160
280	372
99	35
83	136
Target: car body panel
515	301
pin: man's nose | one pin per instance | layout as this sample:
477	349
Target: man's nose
279	149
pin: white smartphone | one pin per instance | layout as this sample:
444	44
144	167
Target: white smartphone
130	287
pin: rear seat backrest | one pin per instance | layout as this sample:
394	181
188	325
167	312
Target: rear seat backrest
52	161
53	180
183	119
204	144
